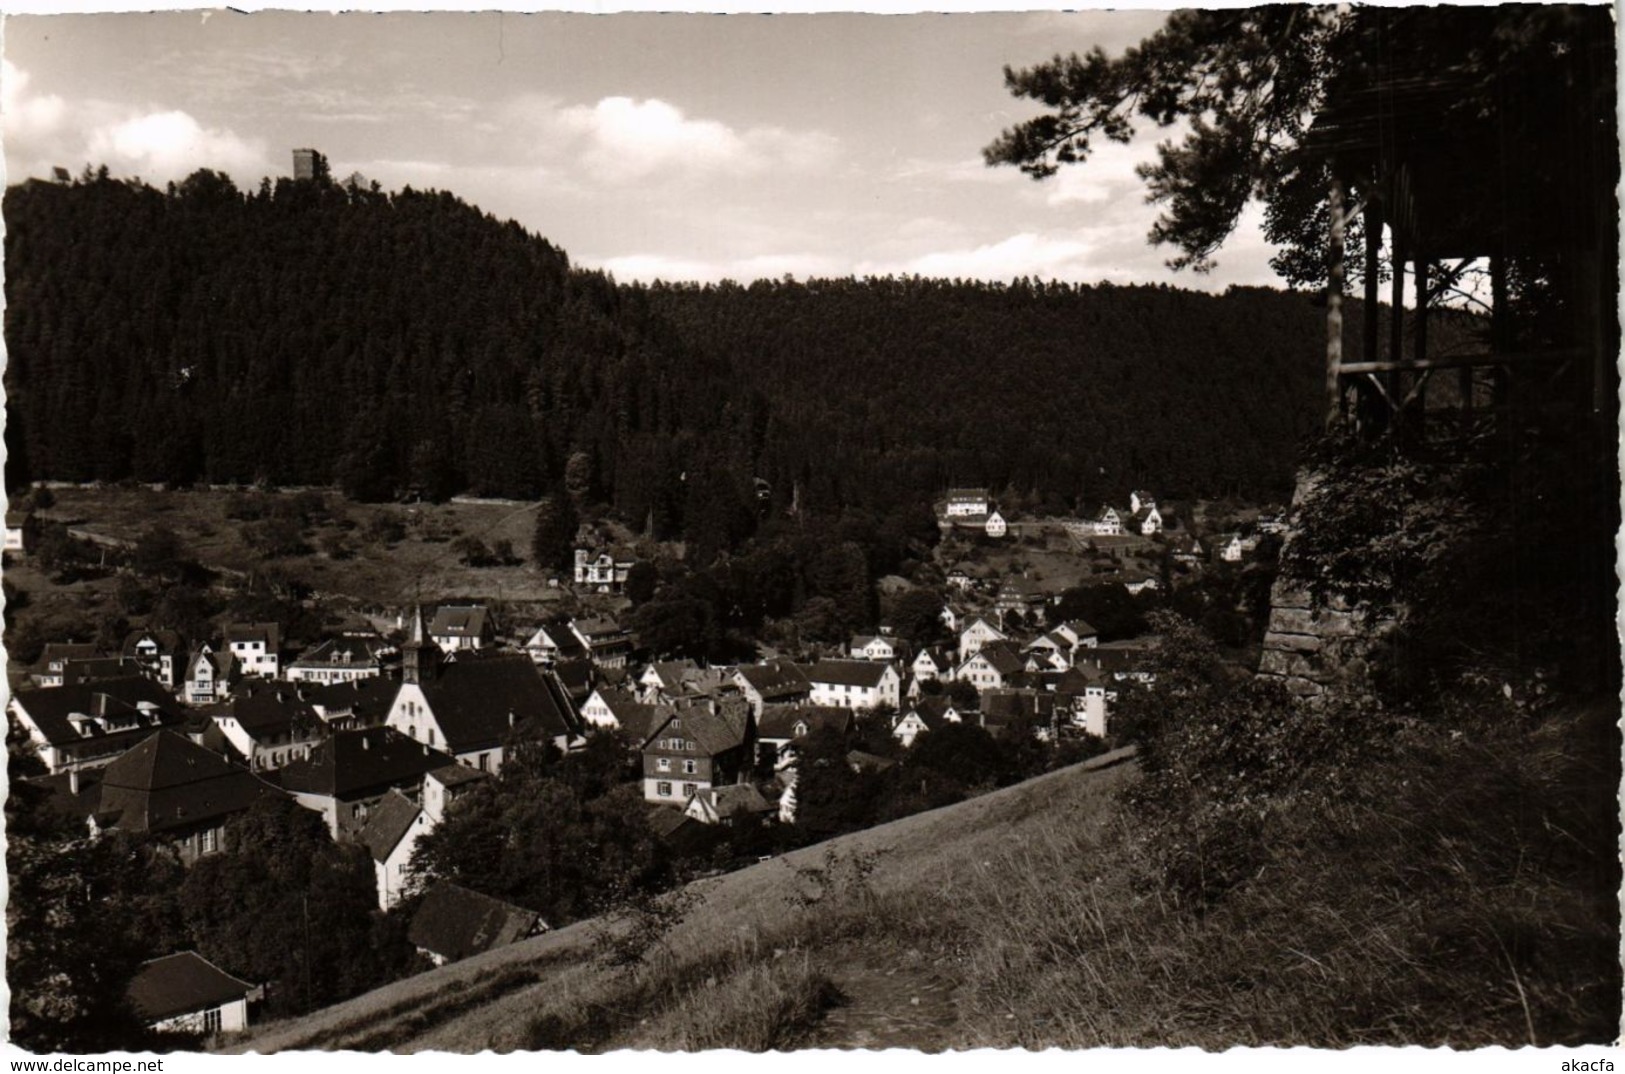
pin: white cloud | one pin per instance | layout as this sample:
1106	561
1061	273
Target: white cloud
650	267
171	145
27	118
632	141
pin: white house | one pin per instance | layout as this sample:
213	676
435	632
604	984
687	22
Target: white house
872	647
391	835
1147	521
966	502
255	647
996	526
977	633
159	653
1139	585
1140	499
991	666
353	655
1079	633
1110	523
931	664
1233	547
460	626
210	676
854	684
186	993
928	714
959	578
602	572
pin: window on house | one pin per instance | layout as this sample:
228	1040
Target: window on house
663	764
689	768
663	789
211	1020
689	789
431	736
210	841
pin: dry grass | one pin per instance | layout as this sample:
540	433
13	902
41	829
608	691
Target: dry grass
1466	899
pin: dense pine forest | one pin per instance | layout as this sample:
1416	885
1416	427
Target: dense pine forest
405	343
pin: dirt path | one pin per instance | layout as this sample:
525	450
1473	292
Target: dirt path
906	1003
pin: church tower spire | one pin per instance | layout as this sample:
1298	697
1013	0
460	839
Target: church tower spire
420	656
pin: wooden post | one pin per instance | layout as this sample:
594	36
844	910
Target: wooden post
1375	414
1334	303
1500	328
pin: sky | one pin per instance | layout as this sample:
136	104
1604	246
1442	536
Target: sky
672	146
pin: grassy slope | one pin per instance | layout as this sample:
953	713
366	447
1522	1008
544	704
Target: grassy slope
1468	898
423	564
496	1000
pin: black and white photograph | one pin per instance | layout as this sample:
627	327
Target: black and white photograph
568	532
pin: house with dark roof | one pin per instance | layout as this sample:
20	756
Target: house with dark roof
992	665
781	725
872	647
77	672
84	726
666	682
1079	633
453	923
927	714
733	805
472	703
777	682
390	836
698	747
48	670
186	993
932	663
619	710
161	653
347	775
854	684
171	787
270	724
364	702
554	642
977	633
608	644
350	656
1021	595
1003	710
460	626
679	831
210	676
257	647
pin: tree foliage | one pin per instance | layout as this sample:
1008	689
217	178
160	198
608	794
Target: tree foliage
1244	85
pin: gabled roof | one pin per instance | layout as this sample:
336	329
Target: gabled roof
985	621
221	660
367	700
733	800
715	732
98	669
478	700
268	634
455	922
59	652
666	822
779	721
864	673
347	650
459	621
170	782
868	762
557	631
457	775
1079	627
932	711
363	761
183	983
167	641
778	678
859	641
596	627
672	674
273	708
937	655
130	708
1002	656
388	824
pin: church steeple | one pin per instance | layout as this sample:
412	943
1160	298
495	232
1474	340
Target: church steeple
420	656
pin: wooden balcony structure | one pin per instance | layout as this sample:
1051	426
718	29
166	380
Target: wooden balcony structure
1509	166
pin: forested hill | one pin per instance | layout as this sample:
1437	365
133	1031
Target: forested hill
308	333
1048	391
